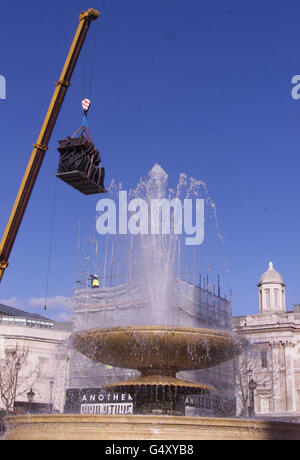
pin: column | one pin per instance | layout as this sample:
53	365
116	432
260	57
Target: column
276	377
290	376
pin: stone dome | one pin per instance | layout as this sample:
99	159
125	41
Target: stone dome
271	276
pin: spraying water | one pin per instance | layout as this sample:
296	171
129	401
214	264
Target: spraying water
150	275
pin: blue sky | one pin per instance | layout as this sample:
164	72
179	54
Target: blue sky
201	86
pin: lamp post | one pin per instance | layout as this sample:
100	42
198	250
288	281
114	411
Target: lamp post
51	395
17	370
18	366
252	387
30	397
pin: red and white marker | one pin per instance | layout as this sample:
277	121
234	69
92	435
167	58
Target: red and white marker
85	104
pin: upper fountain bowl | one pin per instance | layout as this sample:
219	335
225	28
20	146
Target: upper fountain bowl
160	350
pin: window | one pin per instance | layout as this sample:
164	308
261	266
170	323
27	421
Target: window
260	299
264	359
265	404
268	299
276	299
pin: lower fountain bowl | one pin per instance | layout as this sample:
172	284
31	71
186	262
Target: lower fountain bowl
141	427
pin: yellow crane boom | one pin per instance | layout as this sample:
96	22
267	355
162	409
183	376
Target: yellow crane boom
41	145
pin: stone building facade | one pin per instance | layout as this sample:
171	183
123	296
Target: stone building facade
46	367
274	361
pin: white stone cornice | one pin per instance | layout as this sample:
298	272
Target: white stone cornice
286	341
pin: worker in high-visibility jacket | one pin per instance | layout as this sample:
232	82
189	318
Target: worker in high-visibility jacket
95	281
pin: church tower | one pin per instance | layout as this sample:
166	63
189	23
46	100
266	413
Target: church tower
271	291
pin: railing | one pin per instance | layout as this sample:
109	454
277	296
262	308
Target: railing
25	322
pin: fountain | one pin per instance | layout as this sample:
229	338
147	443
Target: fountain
151	324
158	352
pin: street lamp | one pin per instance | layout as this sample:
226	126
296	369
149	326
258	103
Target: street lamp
30	397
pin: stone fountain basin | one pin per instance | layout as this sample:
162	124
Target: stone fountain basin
158	350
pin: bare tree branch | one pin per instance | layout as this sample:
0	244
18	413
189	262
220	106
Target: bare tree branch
14	381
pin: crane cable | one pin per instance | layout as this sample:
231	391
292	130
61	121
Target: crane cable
93	61
92	73
84	126
86	102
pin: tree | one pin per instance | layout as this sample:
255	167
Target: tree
253	366
14	380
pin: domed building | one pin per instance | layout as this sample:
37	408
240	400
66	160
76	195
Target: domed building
269	371
271	288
